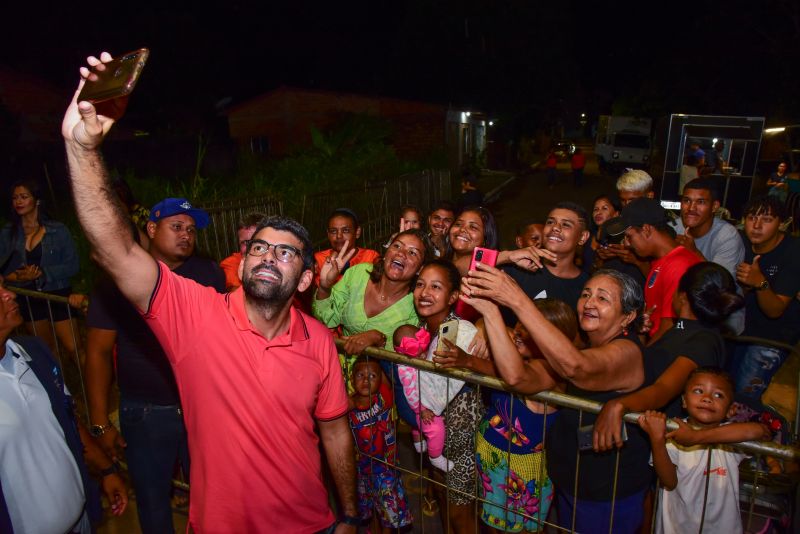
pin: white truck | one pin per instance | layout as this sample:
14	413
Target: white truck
622	142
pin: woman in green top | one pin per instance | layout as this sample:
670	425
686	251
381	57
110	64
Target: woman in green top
371	301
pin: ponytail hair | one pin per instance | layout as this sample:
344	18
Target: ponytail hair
711	292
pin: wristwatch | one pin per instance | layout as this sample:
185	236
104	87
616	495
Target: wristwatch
98	430
763	285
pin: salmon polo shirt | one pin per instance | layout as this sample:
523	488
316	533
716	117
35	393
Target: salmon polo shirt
250	407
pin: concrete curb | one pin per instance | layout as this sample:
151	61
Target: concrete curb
494	194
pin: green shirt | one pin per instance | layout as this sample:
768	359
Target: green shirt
345	307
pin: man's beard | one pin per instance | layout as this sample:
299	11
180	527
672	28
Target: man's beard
272	296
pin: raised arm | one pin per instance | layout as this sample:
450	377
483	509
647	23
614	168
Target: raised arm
526	377
99	210
615	366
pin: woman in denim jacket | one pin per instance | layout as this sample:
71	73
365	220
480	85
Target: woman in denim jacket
39	254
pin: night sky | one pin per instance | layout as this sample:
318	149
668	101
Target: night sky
523	60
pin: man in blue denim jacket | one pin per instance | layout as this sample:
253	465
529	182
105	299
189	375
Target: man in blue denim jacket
153	433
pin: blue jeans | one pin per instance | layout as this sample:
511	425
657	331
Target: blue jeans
752	368
156	438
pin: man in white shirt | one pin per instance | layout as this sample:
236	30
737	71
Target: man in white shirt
708	236
44	482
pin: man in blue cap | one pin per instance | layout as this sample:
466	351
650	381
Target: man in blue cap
151	419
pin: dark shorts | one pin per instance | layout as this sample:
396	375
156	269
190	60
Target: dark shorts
41	308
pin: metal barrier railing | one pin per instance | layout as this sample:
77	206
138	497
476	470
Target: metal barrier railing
757	449
220	238
756	479
73	373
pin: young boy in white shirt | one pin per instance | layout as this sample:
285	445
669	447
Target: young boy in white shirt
681	458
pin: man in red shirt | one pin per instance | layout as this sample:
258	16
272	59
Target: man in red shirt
551	164
578	163
260	381
647	231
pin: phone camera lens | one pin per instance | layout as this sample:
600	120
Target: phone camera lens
479	255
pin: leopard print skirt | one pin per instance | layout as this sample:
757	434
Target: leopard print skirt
461	422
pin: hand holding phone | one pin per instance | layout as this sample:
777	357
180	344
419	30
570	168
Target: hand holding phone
448	331
486	256
114	79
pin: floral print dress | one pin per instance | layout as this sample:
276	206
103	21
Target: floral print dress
511	465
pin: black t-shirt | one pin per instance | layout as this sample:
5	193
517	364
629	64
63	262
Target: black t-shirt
543	284
781	266
143	370
596	471
690	339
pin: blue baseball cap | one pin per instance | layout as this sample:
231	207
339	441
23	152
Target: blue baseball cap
177	206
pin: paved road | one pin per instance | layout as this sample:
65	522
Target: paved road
529	197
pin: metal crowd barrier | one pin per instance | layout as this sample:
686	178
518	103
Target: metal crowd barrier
760	483
72	362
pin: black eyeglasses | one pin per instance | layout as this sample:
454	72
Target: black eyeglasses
282	252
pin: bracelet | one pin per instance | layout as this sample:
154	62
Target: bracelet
351	520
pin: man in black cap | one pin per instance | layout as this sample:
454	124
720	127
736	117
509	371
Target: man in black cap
648	233
153	432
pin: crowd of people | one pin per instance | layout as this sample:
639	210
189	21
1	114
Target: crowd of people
229	372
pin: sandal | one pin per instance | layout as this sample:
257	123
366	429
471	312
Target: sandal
430	507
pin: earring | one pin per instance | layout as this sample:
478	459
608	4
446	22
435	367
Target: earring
625	330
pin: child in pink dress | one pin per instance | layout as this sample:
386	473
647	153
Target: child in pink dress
414	342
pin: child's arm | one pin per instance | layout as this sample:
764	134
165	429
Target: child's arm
730	433
655	424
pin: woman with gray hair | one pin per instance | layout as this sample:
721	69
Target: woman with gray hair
609	314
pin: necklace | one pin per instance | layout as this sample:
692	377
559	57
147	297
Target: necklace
381	295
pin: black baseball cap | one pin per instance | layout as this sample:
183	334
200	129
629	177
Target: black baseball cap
639	212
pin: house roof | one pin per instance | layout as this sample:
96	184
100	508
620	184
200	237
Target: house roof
283	91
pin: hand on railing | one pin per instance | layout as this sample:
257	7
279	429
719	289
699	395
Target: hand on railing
79	302
356	343
608	426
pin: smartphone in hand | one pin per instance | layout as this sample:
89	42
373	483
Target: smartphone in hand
116	79
486	256
448	331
